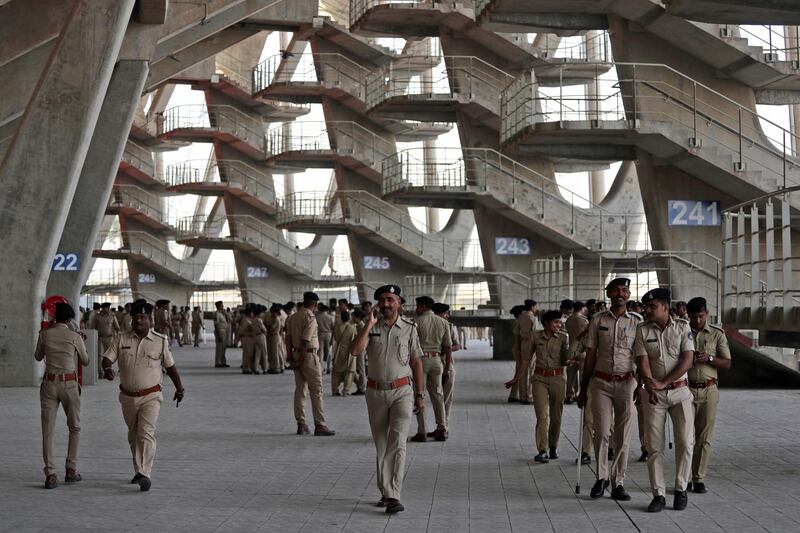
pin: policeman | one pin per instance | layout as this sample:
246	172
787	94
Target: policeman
175	325
608	384
302	342
358	316
197	324
513	393
711	353
162	321
246	333
325	322
272	323
140	355
576	324
221	326
107	326
437	359
549	384
260	356
394	354
448	378
58	346
527	327
664	350
344	366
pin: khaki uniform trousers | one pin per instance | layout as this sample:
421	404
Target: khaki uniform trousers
447	390
548	403
309	375
196	334
248	353
433	367
572	381
642	424
141	414
220	343
325	345
677	404
260	356
525	385
361	372
103	344
587	434
51	395
513	393
705	415
339	378
273	343
612	412
389	420
282	353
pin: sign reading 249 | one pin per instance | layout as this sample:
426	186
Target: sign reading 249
694	213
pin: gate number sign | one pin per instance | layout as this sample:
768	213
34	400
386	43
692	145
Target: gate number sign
375	262
512	246
694	213
257	272
66	263
145	277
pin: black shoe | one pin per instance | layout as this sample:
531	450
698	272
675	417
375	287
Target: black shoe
553	453
513	400
524	402
302	429
273	371
381	502
599	488
568	402
51	482
72	476
681	500
698	487
419	437
358	393
643	457
586	459
620	494
323	431
657	505
542	457
440	435
144	484
226	366
136	479
611	454
394	506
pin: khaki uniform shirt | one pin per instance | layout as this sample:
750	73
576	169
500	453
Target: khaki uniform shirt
247	327
197	318
220	320
161	319
663	348
302	326
613	339
454	334
551	352
273	324
433	331
576	324
126	321
140	360
526	324
390	349
58	346
711	340
324	322
105	324
515	338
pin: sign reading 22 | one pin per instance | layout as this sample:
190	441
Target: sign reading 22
66	263
694	213
512	246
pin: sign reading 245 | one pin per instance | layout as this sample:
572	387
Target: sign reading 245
694	213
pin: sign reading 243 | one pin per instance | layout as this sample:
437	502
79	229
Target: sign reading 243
512	246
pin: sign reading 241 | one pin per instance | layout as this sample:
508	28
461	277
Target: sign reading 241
694	213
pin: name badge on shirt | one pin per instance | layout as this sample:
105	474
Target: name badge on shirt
651	340
374	334
124	347
603	328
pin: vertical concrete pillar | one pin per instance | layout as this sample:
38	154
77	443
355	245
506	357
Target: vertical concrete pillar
792	42
41	170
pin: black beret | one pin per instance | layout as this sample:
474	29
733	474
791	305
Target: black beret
551	315
427	301
696	305
656	294
392	289
569	304
440	308
616	282
310	296
528	303
218	302
141	308
105	304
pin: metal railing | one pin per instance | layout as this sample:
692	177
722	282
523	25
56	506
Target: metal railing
686	273
359	7
471	292
654	92
347	139
146	246
360	208
221	118
761	278
589	48
234	70
140	158
453	77
328	69
143	201
250	231
775	41
231	173
486	172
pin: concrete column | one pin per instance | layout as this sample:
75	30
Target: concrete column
793	54
594	53
41	170
429	158
97	177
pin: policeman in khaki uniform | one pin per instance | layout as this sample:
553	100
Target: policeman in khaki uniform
197	325
394	354
303	344
107	326
58	346
608	384
577	327
527	327
549	384
437	359
712	352
141	355
448	378
221	327
664	350
513	386
344	366
246	332
272	322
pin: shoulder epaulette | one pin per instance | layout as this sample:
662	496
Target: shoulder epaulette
408	321
157	334
714	326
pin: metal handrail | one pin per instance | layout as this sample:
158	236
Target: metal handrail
141	200
768	45
232	68
566	49
236	173
359	7
223	118
138	157
145	245
309	68
345	137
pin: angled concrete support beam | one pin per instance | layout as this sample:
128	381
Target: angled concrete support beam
24	26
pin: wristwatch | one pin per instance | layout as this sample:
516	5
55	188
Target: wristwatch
710	359
419	395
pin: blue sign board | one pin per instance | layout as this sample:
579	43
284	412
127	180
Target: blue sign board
512	246
66	263
694	213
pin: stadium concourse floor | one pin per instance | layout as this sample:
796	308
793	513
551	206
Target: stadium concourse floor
228	460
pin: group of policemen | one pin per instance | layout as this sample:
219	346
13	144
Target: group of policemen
665	364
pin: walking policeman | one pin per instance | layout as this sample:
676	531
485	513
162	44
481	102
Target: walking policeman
551	349
221	327
711	352
393	354
608	384
664	349
57	346
437	359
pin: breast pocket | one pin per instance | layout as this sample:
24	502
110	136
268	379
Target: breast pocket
150	359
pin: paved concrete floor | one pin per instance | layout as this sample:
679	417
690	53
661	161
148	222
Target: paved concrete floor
228	460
